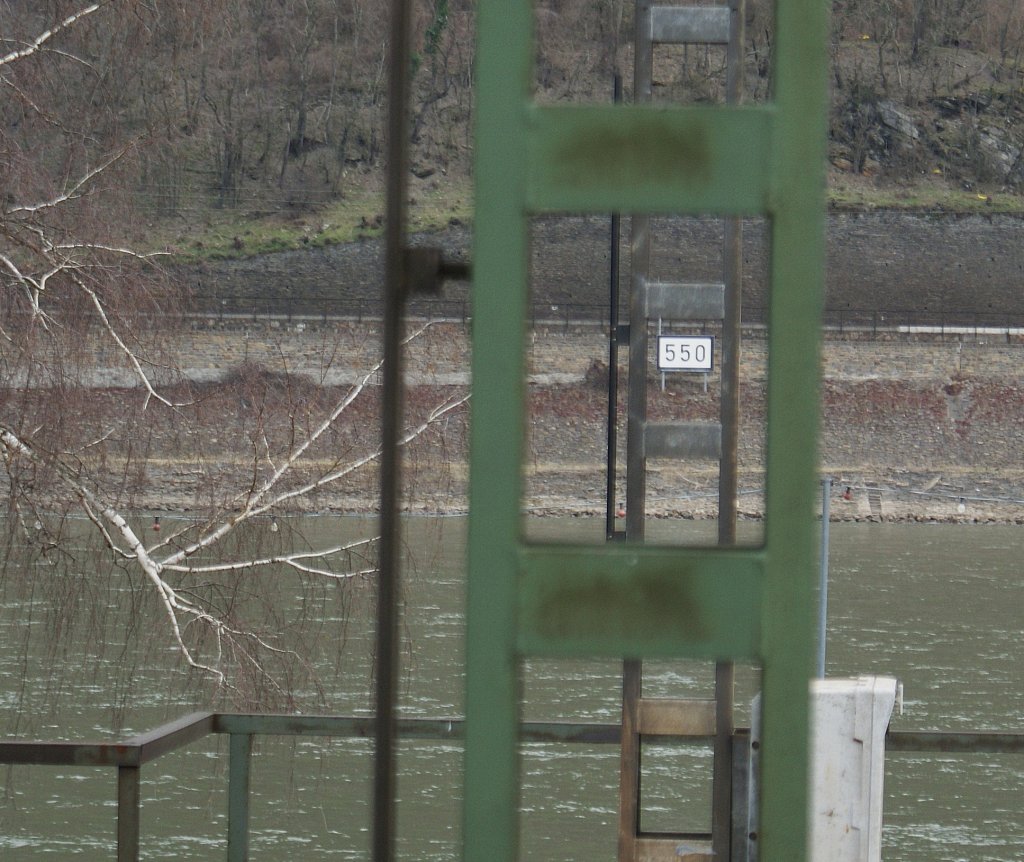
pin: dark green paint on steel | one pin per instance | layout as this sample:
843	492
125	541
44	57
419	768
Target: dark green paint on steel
659	151
607	606
643	158
639	600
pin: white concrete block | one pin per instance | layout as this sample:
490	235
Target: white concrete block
850	718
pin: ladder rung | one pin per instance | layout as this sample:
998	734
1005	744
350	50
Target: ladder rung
683	440
674	301
679	25
673	850
676	717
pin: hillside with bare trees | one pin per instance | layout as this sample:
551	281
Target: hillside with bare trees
264	107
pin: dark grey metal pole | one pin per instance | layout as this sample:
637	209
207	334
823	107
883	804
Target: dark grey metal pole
826	515
391	418
636	471
239	773
613	359
728	475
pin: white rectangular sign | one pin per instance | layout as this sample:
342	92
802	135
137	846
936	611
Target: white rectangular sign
686	352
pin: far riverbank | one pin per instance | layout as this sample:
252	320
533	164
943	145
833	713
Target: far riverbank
916	427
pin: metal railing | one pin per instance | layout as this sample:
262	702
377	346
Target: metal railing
128	756
853	322
871	322
911	321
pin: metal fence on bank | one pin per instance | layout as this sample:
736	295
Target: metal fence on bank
862	322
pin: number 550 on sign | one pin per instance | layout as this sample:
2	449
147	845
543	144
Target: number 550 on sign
686	352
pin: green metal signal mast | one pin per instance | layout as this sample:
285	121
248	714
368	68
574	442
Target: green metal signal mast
627	599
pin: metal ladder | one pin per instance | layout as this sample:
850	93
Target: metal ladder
627	599
651	299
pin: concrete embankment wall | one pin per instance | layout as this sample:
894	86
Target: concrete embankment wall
340	352
847	358
914	412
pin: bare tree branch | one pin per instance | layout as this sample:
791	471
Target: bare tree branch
151	391
74	191
81	301
44	37
293	559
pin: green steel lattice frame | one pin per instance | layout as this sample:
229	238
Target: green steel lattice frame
633	600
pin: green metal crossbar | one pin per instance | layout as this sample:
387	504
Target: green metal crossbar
626	600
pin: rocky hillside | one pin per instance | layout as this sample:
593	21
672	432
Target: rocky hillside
955	118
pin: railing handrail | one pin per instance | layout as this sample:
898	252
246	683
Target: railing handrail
323	309
130	754
144	748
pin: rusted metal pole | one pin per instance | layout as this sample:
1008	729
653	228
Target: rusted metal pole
128	799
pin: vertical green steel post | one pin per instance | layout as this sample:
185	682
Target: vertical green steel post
500	271
728	471
797	271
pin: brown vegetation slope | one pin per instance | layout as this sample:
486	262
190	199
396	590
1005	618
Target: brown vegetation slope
279	106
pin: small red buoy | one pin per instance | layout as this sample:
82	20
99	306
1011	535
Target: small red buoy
848	494
156	524
620	512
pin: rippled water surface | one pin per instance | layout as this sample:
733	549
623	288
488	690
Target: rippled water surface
940	607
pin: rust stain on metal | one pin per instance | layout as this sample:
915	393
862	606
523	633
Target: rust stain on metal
661	153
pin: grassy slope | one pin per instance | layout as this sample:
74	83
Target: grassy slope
234	233
231	234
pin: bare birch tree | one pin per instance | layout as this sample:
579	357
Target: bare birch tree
258	445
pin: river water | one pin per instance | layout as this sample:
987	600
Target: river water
940	607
